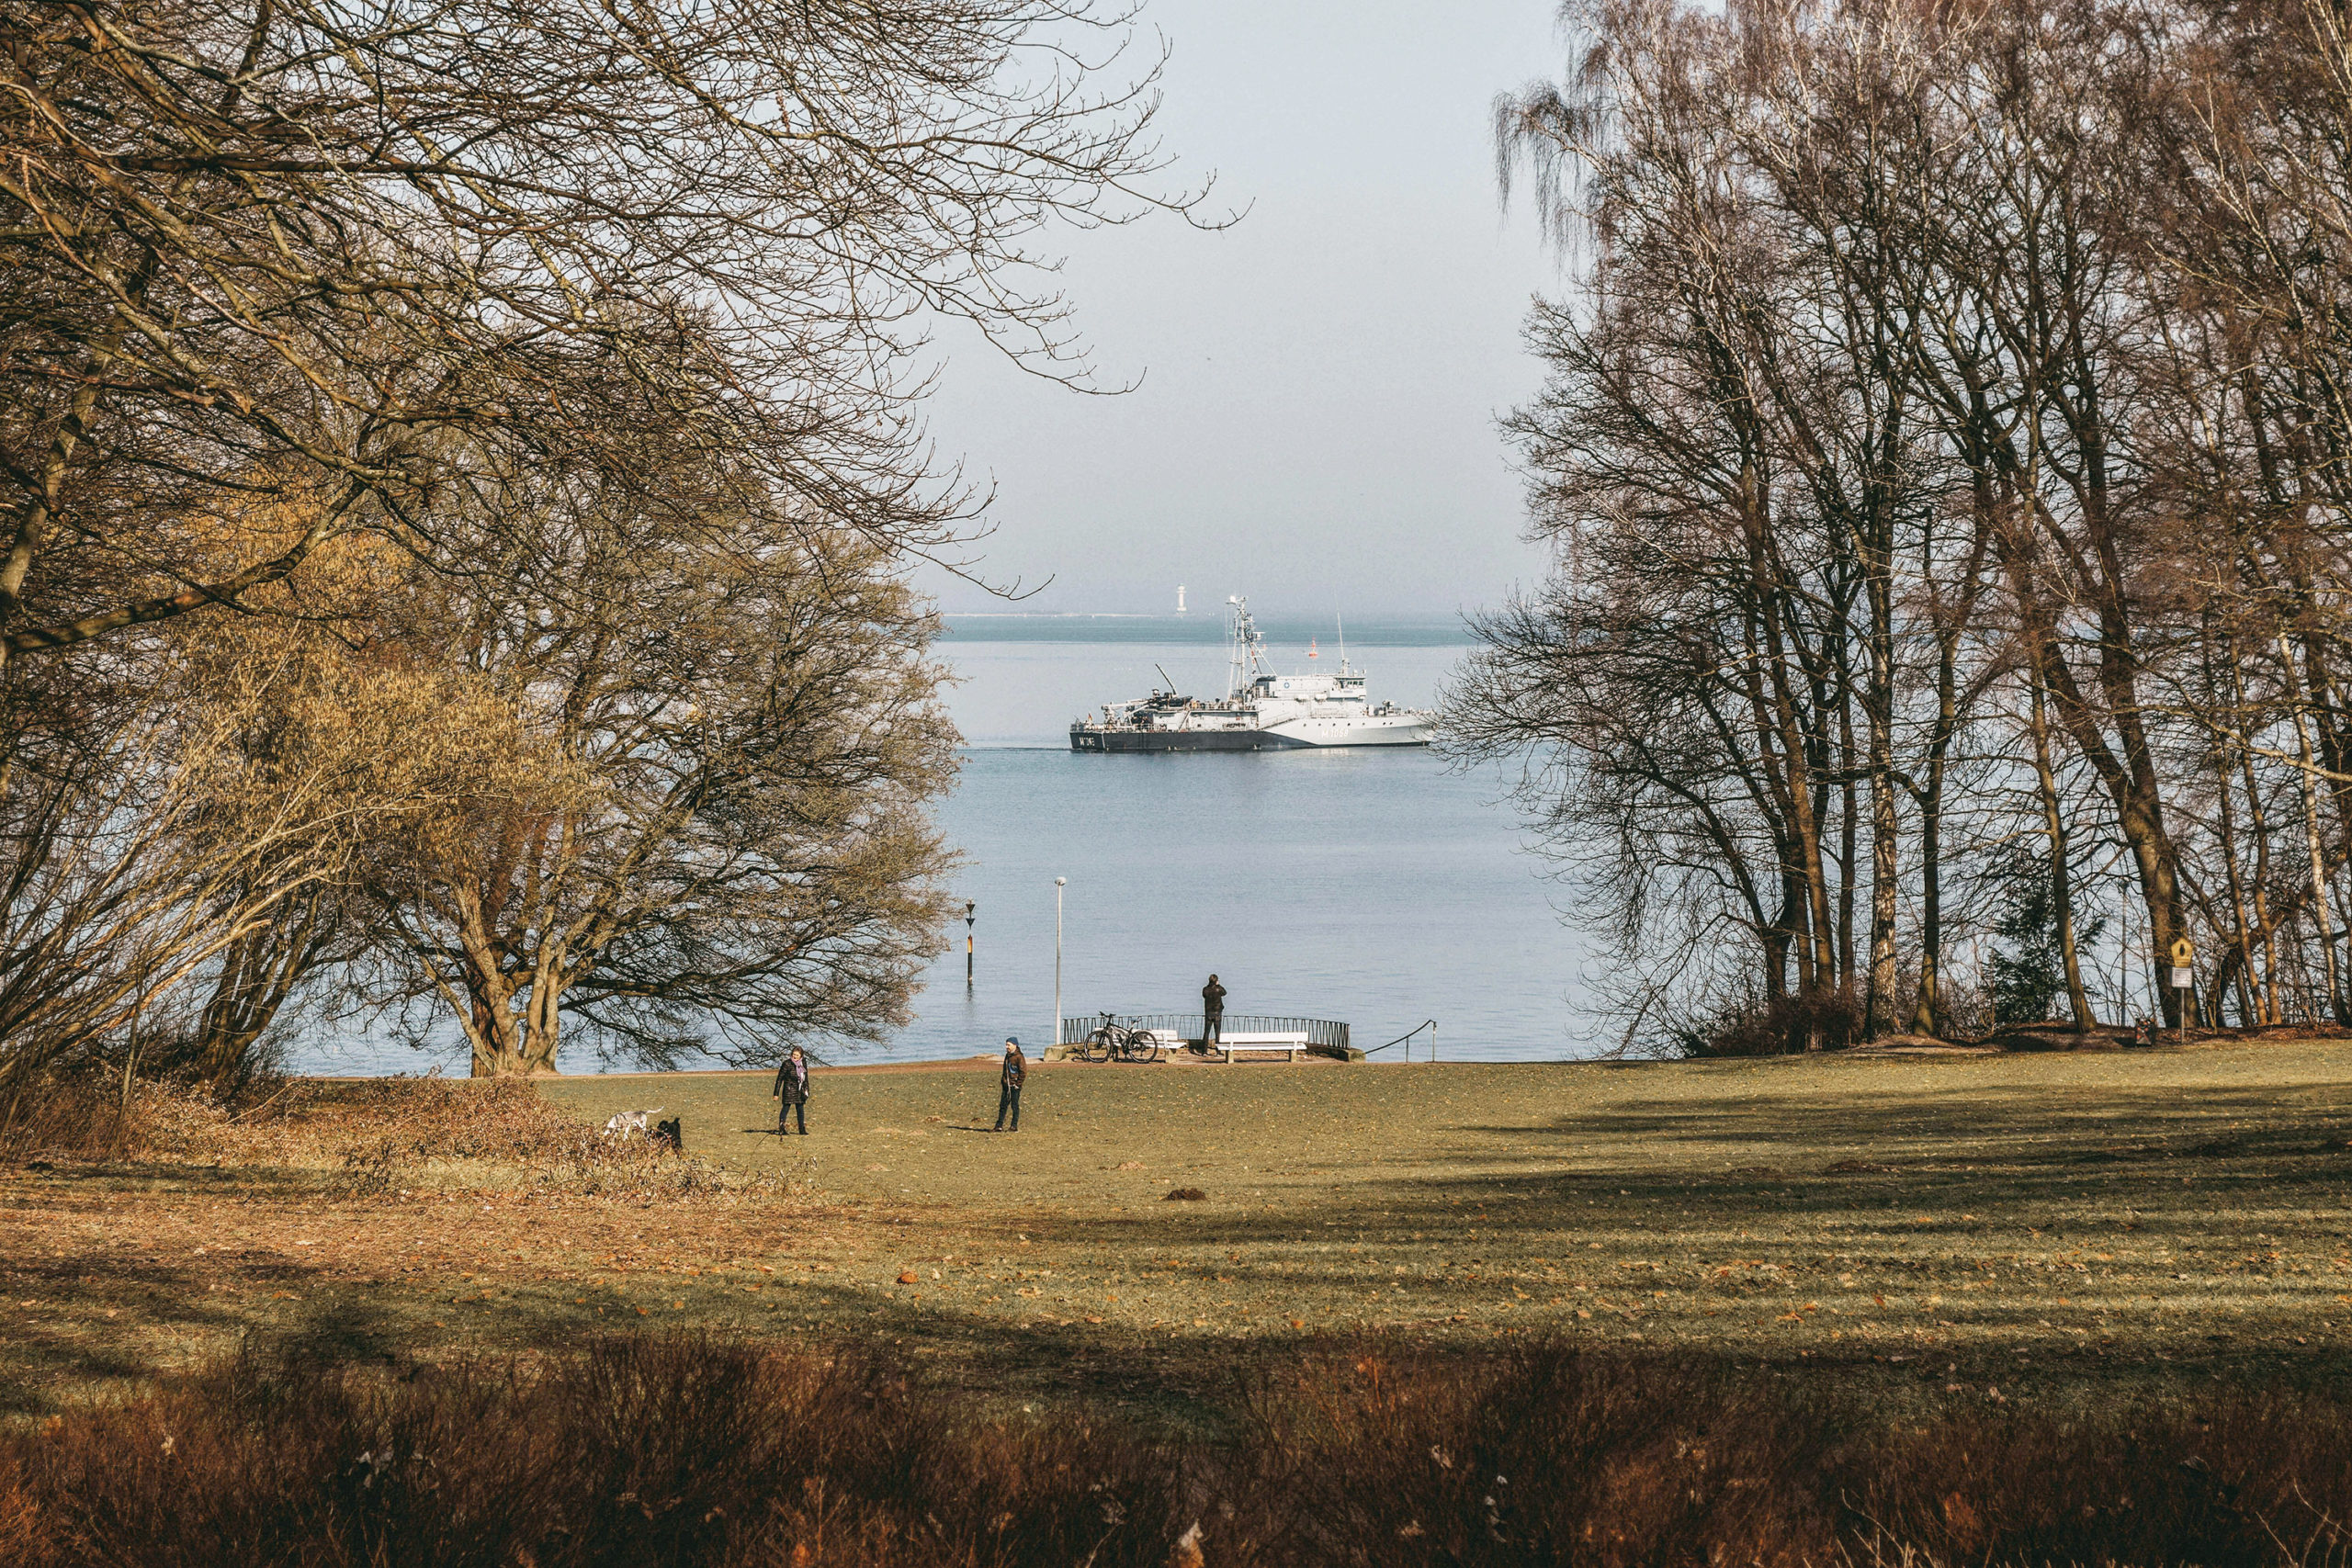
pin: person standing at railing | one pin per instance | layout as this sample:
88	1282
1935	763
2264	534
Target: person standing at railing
1212	1013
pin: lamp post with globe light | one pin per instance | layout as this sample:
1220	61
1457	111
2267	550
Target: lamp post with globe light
1056	1037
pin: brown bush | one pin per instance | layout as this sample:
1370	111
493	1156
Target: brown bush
79	1114
1544	1455
1776	1028
631	1452
416	1128
2233	1481
372	1134
694	1451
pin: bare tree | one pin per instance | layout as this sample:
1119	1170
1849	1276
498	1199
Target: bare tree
134	860
345	257
1863	286
708	828
564	306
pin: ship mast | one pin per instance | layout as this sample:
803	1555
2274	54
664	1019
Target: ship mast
1248	660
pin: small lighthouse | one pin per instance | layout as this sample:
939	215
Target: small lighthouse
1180	598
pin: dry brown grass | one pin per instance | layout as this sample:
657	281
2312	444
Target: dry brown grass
366	1136
690	1451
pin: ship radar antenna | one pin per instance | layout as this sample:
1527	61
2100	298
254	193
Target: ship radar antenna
1248	646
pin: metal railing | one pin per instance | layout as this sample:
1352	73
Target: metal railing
1406	1040
1325	1036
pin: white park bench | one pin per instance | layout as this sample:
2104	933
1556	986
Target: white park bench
1288	1043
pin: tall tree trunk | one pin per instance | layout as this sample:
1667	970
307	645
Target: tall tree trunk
37	522
1926	1016
1884	828
2321	917
2259	827
509	1020
1886	840
2240	962
1849	828
1878	1012
258	972
2061	873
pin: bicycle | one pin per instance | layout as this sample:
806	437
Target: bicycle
1112	1041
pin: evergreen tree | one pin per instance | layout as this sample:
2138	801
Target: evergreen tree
2029	971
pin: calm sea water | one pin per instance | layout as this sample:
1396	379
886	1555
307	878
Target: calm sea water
1377	886
1381	887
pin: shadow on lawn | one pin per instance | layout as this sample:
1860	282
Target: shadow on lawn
1992	1154
1936	1198
1842	1114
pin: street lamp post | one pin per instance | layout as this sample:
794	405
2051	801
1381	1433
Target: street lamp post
1055	1038
968	944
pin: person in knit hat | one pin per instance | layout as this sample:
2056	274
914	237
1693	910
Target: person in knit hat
1008	1098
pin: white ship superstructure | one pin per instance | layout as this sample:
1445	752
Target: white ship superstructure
1260	711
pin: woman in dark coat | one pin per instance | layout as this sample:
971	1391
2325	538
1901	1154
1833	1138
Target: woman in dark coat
1016	1067
792	1093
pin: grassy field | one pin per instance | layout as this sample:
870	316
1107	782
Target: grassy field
1943	1229
1997	1222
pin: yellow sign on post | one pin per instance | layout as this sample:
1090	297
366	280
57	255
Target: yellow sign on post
2184	977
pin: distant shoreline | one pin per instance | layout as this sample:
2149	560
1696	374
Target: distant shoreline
1425	618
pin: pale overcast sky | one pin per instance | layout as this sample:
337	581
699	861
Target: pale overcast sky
1316	426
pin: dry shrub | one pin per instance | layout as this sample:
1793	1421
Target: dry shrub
693	1451
2233	1481
85	1112
1548	1454
421	1127
1774	1028
372	1135
391	1124
80	1113
631	1452
1542	1454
